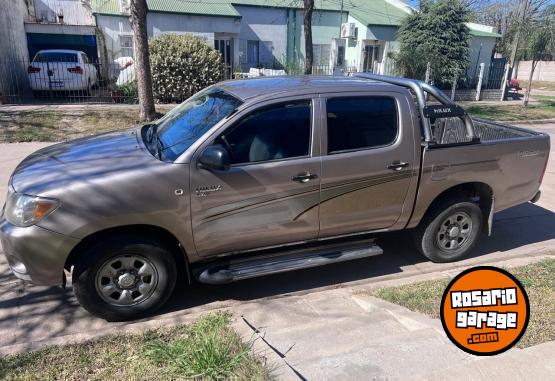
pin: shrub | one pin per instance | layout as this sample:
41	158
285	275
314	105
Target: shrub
182	65
126	93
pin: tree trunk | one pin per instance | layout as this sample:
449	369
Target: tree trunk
142	60
308	9
529	86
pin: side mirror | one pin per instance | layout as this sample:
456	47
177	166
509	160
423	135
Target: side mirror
214	157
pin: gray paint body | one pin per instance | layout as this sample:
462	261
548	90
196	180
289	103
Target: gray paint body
112	180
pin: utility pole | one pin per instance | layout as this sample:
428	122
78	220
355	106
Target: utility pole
341	18
308	10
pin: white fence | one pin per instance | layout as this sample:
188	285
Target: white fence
545	71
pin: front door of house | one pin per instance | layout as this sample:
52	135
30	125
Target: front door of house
224	46
371	55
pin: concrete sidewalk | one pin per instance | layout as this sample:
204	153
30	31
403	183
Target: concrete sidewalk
337	335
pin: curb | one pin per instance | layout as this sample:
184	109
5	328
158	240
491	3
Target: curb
529	122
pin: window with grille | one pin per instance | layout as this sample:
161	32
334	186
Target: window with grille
126	45
321	55
253	52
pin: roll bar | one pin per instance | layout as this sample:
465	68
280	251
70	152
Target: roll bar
420	88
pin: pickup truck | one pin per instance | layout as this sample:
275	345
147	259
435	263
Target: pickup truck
260	176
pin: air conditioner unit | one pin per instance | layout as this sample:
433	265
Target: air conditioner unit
348	30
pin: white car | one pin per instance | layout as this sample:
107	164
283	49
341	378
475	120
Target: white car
62	70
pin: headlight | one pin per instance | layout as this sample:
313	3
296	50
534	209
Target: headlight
23	210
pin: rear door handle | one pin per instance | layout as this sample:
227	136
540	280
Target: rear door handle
397	166
304	177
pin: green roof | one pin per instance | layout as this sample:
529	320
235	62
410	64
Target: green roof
481	33
193	7
368	12
204	7
380	12
107	7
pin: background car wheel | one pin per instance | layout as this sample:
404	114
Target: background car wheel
125	279
450	231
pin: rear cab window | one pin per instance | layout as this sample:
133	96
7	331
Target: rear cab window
361	122
56	57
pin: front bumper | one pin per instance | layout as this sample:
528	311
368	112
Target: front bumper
35	254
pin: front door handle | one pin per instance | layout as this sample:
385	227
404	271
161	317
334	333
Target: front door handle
397	166
304	177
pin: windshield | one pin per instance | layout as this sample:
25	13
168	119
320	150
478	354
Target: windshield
181	127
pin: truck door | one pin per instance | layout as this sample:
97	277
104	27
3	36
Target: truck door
368	162
270	194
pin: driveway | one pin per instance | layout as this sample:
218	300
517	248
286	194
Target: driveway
31	316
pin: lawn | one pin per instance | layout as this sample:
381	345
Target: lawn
538	280
208	349
51	124
543	109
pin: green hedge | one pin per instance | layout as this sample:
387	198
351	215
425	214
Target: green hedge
182	65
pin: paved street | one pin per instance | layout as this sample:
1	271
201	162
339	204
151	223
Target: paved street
316	315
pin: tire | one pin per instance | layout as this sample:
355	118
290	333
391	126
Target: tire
449	231
144	279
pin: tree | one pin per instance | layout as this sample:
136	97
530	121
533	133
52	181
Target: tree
539	40
139	10
436	34
308	10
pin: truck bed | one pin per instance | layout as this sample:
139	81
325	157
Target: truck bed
453	131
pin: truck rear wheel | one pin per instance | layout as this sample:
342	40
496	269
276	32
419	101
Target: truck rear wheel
449	231
125	278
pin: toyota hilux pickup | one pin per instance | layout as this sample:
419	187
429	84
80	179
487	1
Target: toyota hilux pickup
260	176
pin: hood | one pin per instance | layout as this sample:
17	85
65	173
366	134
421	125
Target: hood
84	159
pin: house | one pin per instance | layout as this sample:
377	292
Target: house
248	33
61	24
269	33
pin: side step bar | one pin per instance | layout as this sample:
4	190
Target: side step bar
231	271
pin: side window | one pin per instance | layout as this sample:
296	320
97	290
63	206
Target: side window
275	132
85	58
361	123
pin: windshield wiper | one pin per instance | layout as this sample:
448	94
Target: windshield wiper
159	147
151	131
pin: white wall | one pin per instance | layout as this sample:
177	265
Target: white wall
481	49
76	12
265	25
545	71
112	27
159	23
325	27
355	47
353	53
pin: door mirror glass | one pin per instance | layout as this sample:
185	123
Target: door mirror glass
214	157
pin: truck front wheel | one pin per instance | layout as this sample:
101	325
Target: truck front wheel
124	278
449	231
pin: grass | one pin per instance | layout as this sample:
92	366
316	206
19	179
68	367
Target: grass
208	349
537	278
540	85
55	125
544	108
